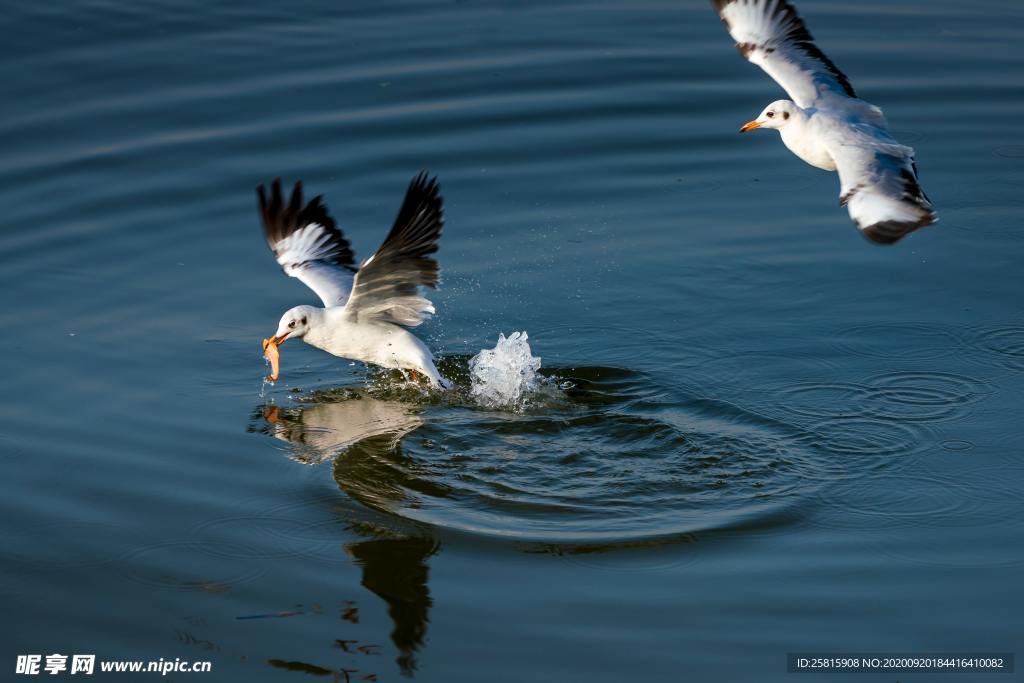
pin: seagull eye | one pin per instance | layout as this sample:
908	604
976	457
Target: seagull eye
770	114
291	324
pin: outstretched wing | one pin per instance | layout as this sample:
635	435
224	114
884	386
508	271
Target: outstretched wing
386	285
879	186
771	34
307	243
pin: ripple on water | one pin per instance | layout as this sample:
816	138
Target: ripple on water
822	400
755	372
914	499
230	537
977	503
179	565
645	555
618	461
876	424
1004	345
922	396
327	519
862	445
903	341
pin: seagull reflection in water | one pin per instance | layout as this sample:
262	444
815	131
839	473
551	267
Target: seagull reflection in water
361	432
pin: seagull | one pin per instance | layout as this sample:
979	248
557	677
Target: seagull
366	309
826	124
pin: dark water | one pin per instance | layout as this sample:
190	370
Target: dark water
776	437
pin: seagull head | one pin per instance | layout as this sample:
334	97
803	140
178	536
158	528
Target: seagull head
294	323
775	115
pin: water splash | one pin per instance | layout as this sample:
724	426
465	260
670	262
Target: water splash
263	387
507	375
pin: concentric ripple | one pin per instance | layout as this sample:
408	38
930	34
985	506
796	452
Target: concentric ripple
180	565
864	443
1005	344
979	504
619	459
899	340
821	400
923	396
223	538
870	423
917	499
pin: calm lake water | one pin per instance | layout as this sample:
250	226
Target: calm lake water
776	437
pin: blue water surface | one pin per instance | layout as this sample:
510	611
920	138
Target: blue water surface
771	436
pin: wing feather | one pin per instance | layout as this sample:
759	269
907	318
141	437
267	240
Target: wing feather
386	287
879	186
307	243
772	35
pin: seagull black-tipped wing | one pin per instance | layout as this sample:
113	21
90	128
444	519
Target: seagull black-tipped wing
307	243
387	285
772	35
879	185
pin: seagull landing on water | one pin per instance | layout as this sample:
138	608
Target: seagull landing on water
826	124
366	310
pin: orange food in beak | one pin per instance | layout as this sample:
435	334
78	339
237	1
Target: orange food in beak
749	125
271	353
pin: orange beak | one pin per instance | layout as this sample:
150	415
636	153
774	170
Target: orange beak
749	125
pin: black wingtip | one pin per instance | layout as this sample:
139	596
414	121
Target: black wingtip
911	194
887	233
425	184
422	212
281	220
417	228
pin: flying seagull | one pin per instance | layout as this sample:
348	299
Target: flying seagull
366	309
826	124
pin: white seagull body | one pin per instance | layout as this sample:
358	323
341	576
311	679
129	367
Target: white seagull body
366	310
826	124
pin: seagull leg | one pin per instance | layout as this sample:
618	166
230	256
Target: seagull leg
415	375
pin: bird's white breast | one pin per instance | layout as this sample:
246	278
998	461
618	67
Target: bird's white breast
383	344
803	141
